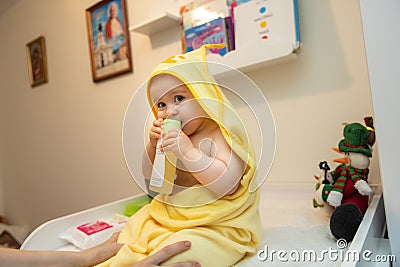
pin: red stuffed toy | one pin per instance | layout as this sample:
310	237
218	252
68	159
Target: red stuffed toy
346	188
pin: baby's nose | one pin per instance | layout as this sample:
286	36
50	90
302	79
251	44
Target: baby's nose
172	112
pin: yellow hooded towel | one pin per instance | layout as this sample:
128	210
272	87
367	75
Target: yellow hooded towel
222	231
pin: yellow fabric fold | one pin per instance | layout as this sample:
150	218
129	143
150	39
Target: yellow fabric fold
222	231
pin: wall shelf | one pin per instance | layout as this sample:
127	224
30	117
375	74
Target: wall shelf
258	55
157	24
249	55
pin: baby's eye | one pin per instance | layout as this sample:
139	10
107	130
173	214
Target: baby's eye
160	105
179	98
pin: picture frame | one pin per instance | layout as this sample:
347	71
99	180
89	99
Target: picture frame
109	41
37	61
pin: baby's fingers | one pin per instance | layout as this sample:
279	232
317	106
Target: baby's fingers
158	122
155	135
173	133
156	130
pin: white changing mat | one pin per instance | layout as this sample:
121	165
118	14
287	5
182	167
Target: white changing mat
291	224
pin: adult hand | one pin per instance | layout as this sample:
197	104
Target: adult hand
166	253
100	253
89	257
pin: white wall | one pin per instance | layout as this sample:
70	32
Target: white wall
61	142
381	41
313	95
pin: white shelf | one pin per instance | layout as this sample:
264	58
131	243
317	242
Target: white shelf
165	21
259	54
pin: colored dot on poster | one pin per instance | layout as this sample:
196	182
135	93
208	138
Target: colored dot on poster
265	37
263	24
263	9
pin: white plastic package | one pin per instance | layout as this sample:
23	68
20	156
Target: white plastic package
91	234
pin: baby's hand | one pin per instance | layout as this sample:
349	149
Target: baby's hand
177	142
156	131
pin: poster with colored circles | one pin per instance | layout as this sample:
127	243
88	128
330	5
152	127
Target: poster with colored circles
266	21
263	22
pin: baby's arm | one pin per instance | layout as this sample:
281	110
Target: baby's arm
150	151
220	171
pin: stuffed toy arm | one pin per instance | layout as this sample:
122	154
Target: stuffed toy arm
363	187
335	198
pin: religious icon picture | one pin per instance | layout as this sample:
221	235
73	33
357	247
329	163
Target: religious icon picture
37	65
108	39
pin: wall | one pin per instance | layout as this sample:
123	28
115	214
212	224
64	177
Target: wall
384	77
313	95
61	142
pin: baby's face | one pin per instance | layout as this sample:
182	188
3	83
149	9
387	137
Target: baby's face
173	100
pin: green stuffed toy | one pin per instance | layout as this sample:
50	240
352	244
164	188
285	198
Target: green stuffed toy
346	188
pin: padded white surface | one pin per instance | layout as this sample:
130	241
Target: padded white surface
290	223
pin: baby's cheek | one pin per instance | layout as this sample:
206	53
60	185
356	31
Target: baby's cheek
160	115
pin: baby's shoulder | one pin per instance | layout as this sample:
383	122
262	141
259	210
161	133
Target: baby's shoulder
212	132
218	140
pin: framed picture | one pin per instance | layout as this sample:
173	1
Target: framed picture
37	65
108	39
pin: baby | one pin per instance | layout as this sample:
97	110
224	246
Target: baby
204	157
211	205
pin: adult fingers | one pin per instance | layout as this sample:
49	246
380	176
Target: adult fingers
100	253
184	264
168	252
113	238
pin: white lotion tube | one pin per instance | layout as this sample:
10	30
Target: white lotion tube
164	166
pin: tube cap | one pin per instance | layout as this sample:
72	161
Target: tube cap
170	124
